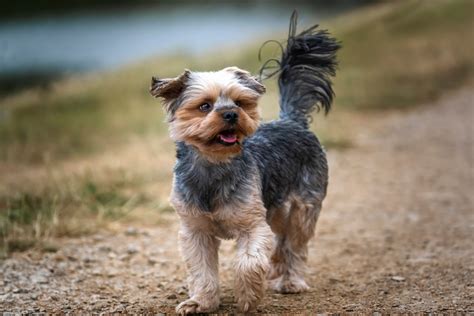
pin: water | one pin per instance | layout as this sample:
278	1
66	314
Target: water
106	39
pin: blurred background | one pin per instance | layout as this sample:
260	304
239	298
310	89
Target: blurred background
83	146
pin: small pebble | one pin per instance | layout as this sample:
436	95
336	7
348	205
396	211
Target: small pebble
41	276
398	278
182	291
131	231
105	248
172	297
132	249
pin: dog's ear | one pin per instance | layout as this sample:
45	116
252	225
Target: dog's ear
247	79
169	89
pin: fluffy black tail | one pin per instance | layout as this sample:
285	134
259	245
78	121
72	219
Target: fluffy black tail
306	67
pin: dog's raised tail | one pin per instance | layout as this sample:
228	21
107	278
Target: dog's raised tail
306	67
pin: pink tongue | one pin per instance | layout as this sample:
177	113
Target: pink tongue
230	138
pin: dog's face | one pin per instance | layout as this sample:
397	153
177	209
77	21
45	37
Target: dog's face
212	111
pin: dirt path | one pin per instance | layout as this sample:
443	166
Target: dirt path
395	235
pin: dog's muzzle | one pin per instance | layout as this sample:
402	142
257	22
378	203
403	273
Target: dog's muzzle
230	117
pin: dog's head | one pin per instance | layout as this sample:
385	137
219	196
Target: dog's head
212	111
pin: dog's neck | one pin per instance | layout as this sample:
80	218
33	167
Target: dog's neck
203	160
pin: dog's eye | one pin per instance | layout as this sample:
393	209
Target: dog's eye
237	102
206	107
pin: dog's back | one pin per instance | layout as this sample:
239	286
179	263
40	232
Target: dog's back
291	161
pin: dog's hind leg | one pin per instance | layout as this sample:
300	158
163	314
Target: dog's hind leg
291	252
279	224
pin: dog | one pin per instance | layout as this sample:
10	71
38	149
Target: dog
235	178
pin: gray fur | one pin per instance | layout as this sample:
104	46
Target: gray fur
305	71
272	188
287	157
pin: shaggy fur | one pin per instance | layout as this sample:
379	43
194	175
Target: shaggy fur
261	184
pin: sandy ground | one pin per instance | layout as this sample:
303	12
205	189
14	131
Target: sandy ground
395	235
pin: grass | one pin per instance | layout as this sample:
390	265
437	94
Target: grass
85	151
72	207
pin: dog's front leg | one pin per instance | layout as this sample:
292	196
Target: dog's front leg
199	249
252	264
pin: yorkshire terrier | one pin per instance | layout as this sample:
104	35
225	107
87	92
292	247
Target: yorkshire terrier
262	184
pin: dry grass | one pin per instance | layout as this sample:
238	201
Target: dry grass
93	149
78	196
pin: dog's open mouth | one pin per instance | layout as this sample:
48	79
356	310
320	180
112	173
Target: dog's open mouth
228	137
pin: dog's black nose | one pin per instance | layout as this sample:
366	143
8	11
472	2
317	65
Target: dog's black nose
230	117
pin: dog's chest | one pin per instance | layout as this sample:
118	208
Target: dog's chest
211	197
210	188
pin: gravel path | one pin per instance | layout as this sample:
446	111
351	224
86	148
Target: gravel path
395	235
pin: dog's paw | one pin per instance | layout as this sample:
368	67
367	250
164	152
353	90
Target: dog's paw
244	306
192	306
288	285
189	306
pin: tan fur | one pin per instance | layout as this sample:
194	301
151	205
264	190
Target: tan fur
199	247
200	129
294	227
